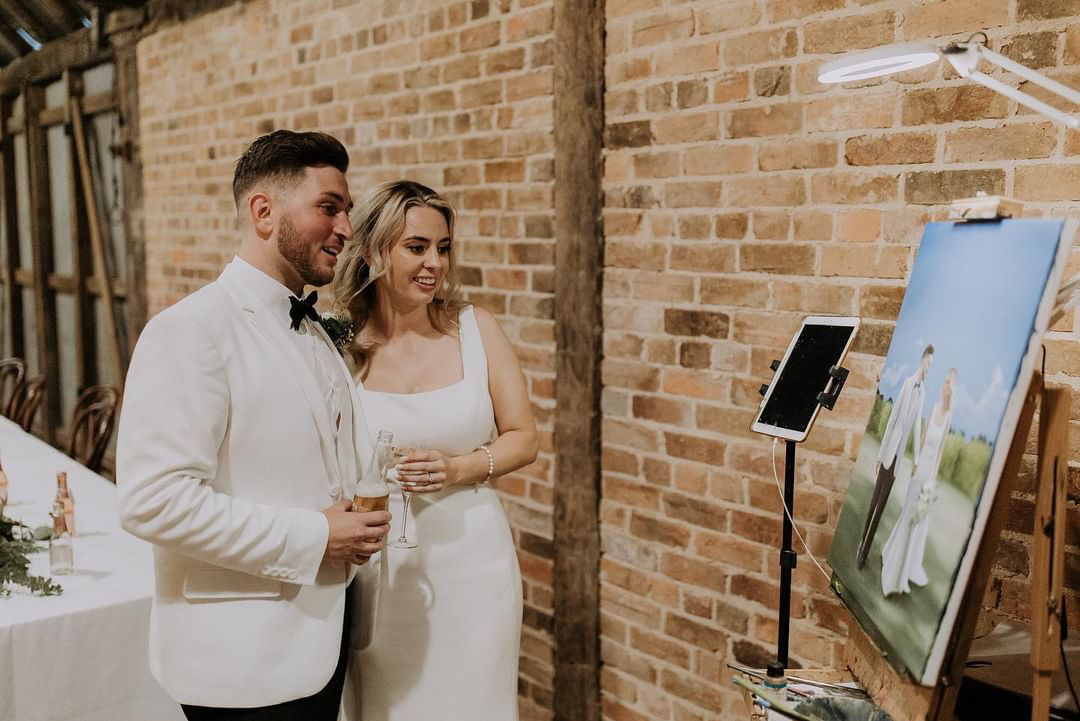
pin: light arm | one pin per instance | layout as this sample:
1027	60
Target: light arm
965	63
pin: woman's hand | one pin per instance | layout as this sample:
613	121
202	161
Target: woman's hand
426	471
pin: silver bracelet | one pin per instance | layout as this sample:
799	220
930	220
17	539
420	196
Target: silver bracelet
491	465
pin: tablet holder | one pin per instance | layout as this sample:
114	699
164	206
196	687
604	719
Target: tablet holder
788	558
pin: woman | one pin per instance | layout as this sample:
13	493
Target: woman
902	556
442	376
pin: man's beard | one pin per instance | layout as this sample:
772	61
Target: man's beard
293	249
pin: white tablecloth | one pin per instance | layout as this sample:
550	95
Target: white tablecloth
82	655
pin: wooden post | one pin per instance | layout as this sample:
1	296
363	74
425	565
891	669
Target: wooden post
127	102
579	125
104	279
12	298
41	232
82	261
1048	554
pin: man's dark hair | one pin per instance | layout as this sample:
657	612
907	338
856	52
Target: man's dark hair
283	155
928	350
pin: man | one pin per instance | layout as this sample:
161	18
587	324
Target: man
238	442
906	417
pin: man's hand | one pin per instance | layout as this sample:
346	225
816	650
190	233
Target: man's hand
354	536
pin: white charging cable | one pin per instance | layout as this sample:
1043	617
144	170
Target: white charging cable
795	528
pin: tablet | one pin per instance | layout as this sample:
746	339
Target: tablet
790	404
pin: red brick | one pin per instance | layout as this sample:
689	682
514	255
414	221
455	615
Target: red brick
893	149
769	120
759	47
845	188
849	33
952	104
694	448
772	190
797	155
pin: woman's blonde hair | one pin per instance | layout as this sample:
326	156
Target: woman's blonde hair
378	223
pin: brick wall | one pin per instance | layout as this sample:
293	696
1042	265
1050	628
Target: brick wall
740	196
453	94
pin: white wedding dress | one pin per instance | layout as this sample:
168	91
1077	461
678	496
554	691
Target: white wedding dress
902	555
448	622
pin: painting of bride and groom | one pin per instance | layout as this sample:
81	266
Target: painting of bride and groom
946	407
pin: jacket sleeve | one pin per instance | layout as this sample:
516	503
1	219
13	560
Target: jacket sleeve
173	422
890	425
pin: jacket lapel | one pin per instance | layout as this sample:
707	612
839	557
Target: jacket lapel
274	330
361	437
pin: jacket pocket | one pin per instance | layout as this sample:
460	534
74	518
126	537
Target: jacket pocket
221	584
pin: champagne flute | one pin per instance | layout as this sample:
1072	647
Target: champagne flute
403	541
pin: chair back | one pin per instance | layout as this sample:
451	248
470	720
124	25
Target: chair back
92	424
32	395
12	377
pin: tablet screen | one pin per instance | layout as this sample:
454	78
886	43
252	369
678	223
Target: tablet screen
793	400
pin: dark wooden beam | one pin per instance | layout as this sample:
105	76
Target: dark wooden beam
86	369
12	318
61	14
579	256
126	92
11	43
28	16
76	50
41	231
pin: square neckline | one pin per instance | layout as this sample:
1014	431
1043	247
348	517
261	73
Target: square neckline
455	384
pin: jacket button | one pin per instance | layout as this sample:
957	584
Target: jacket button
292	575
335	493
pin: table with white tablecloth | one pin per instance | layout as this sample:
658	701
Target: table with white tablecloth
82	655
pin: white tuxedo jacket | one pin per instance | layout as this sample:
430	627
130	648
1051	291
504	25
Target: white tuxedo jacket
225	460
904	420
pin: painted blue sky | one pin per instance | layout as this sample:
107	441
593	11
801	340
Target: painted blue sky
974	293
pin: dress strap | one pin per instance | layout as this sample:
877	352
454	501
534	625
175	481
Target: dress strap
472	346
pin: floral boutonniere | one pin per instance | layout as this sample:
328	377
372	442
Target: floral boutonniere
339	328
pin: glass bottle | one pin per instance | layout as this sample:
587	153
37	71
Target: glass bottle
61	554
372	492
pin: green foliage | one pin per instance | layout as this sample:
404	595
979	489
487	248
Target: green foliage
964	463
879	417
339	328
16	543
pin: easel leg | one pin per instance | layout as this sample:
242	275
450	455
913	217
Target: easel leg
1048	553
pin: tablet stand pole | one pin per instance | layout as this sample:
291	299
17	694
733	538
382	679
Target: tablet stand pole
788	557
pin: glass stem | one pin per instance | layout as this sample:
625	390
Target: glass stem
406	499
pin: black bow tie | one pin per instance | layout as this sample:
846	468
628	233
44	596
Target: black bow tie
302	308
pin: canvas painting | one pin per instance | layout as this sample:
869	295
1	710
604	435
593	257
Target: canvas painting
953	383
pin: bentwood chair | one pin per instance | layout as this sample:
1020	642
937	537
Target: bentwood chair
92	424
32	395
12	377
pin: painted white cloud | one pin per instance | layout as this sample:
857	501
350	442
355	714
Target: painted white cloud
891	376
992	399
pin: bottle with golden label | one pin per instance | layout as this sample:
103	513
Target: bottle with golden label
63	493
372	492
3	486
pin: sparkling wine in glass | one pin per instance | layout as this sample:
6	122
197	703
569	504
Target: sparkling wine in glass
403	540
